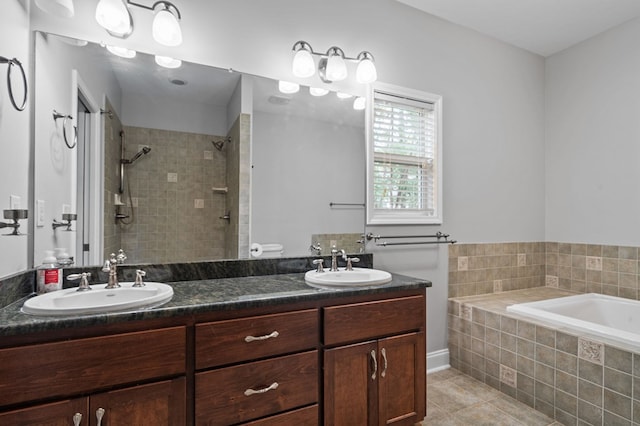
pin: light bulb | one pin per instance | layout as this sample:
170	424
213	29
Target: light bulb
366	71
114	17
123	52
336	67
316	91
288	87
167	62
343	95
303	65
166	28
359	103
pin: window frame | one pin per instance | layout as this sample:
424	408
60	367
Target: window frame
403	217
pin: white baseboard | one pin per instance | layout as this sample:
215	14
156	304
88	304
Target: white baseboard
437	361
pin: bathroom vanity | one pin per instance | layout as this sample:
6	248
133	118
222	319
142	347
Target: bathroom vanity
256	350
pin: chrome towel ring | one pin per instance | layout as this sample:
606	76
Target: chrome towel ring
56	116
11	63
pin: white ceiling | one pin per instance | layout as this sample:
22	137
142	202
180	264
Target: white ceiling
540	26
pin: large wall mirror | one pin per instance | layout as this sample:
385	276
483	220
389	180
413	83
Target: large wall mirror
187	164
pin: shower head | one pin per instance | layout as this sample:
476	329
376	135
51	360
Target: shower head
145	150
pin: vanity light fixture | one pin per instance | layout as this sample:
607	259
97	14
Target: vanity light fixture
168	62
343	95
123	52
115	17
316	91
332	65
359	103
288	87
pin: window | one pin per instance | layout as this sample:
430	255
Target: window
404	157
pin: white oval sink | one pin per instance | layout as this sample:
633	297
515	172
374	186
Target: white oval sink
99	299
359	277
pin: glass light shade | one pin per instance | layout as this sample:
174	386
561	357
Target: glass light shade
288	87
168	62
316	91
343	95
123	52
359	103
336	68
366	71
303	65
62	8
113	16
166	28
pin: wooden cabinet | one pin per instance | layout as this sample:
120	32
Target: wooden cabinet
381	381
158	404
91	365
269	366
342	360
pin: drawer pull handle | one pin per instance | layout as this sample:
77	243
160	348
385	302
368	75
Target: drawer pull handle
77	419
375	365
250	392
384	358
249	339
99	414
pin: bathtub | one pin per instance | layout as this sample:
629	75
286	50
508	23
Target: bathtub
609	317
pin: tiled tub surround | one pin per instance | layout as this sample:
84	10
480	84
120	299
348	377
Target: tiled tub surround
476	269
567	375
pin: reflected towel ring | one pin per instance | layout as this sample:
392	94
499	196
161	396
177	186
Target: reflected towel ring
56	116
11	63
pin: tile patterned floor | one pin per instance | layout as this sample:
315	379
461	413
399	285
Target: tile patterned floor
455	399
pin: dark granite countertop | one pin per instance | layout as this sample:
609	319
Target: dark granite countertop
199	296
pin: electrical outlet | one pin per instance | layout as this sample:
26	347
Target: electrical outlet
40	212
14	202
172	177
199	203
134	201
333	243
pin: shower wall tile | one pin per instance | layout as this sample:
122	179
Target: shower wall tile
169	224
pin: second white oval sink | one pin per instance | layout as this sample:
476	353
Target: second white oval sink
99	299
359	277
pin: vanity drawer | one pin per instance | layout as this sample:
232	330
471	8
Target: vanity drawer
238	394
368	320
307	416
84	365
227	342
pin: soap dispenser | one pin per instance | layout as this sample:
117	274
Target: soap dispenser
49	274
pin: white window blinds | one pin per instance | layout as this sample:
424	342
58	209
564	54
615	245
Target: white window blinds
403	168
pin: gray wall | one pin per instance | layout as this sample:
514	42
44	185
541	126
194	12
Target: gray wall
593	140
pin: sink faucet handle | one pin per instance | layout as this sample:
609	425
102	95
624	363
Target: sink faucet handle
121	257
319	265
351	260
83	277
139	275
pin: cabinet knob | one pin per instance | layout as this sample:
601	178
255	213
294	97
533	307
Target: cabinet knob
265	337
250	392
99	414
374	360
77	418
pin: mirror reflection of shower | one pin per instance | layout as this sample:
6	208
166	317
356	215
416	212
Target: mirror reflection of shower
126	219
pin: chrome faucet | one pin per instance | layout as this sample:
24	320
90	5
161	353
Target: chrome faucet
111	266
334	257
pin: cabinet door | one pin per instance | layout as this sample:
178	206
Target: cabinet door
350	389
402	381
158	404
56	414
